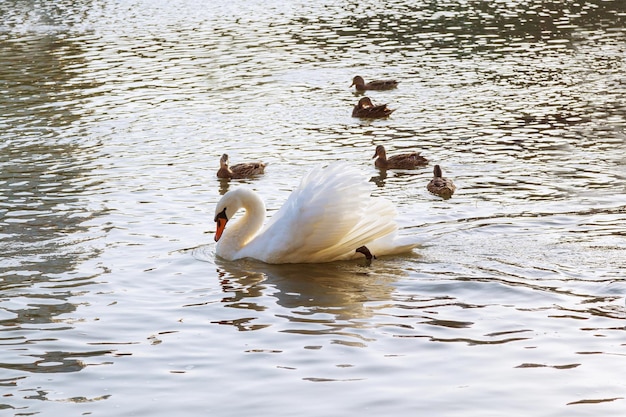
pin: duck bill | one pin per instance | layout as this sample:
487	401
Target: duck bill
221	225
352	84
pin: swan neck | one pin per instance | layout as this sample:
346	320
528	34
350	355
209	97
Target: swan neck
238	234
253	217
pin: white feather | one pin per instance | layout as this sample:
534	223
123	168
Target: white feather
326	218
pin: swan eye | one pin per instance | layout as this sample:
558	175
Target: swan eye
221	215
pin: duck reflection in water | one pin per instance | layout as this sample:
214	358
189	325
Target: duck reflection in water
379	179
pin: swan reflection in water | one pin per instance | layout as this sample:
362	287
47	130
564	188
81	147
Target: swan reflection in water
333	295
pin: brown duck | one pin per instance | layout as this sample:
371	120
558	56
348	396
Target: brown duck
443	187
243	170
361	85
401	161
366	109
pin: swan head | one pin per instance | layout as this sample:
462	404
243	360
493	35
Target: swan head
225	209
231	202
221	219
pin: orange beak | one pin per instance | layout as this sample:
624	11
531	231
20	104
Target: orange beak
221	225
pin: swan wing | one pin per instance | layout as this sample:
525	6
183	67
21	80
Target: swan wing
326	218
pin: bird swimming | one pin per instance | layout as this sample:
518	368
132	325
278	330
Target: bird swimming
439	185
361	85
326	218
408	160
366	109
242	170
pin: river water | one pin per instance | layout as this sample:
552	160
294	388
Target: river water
114	115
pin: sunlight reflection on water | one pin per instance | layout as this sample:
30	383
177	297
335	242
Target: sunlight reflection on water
114	118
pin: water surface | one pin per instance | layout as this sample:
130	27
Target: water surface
114	115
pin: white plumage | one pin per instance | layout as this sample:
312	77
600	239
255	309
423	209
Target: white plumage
325	219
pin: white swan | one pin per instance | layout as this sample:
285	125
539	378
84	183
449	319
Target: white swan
325	219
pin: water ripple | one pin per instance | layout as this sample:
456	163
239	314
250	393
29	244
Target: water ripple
114	118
